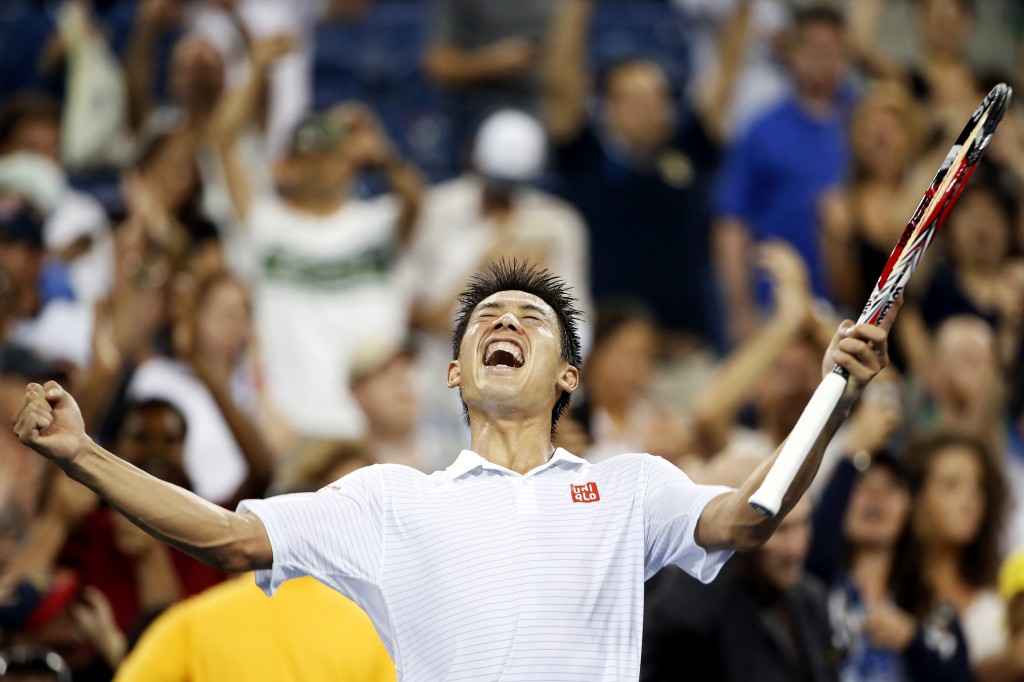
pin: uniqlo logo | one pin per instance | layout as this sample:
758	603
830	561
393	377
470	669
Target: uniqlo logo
584	493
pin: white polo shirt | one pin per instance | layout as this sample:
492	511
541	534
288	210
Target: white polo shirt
480	573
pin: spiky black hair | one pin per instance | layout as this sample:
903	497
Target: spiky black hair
505	275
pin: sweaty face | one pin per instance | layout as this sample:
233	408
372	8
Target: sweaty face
781	559
878	509
951	505
510	360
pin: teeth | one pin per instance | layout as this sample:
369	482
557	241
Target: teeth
506	346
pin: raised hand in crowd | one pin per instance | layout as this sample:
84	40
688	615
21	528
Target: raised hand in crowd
737	377
94	618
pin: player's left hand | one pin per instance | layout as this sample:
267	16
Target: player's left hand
862	350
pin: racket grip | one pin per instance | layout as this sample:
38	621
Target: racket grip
768	498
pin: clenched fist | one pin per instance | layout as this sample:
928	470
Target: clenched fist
50	423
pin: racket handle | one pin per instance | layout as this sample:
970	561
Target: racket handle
768	498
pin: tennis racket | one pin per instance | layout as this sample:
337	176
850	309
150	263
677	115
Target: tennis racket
931	213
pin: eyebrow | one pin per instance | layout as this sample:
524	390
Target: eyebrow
497	305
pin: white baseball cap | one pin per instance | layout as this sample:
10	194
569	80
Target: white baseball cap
510	145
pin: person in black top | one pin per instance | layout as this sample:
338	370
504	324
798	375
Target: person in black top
641	175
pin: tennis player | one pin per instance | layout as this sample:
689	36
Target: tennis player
519	561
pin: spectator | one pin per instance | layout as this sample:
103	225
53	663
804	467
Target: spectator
862	220
776	370
763	618
889	625
325	262
56	328
234	632
942	78
969	394
958	512
615	410
485	54
208	380
76	230
488	213
761	80
168	185
383	385
641	176
979	277
775	176
232	28
195	78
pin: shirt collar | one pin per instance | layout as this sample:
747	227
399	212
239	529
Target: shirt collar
468	461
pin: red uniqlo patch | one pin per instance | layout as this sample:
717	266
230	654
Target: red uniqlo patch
584	493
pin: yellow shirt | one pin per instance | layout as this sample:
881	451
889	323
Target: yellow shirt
306	633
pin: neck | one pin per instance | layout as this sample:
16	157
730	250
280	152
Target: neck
516	443
378	435
819	104
318	204
610	402
221	365
943	567
870	570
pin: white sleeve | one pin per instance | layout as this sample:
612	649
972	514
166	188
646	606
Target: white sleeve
672	506
334	535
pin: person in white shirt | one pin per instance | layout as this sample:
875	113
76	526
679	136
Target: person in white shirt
324	263
520	561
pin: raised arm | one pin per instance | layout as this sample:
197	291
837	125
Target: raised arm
732	385
152	17
864	19
714	99
732	243
369	148
250	441
237	109
728	521
564	70
50	423
452	66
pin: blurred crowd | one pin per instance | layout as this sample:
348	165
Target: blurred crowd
238	229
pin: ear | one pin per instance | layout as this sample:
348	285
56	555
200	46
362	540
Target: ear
454	374
569	379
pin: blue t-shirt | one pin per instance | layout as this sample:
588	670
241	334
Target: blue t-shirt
774	176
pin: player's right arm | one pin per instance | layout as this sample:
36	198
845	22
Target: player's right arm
50	423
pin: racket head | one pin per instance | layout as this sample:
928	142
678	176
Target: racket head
937	202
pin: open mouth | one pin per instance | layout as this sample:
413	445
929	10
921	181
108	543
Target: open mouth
503	354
